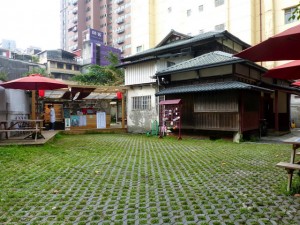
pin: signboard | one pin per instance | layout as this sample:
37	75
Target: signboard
104	52
96	36
101	120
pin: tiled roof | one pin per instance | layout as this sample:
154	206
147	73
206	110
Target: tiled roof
208	87
189	41
207	60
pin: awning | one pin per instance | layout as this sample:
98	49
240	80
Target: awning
171	102
83	93
210	87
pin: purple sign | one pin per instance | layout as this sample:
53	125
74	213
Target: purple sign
100	52
104	52
96	36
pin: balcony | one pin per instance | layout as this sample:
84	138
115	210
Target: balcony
75	10
120	40
120	30
119	1
75	38
75	19
120	10
74	2
74	47
120	20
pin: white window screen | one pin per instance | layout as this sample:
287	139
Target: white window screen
141	102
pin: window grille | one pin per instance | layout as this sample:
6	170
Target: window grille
141	102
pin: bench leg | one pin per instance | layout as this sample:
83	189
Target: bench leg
290	178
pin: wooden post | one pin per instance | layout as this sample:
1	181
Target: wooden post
290	178
123	111
276	111
33	106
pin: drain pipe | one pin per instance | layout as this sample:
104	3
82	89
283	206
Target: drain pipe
260	20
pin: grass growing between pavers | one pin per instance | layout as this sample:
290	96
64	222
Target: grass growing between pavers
134	179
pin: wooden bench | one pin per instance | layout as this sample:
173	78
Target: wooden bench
290	168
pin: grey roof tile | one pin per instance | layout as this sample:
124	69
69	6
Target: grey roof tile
206	60
189	41
208	87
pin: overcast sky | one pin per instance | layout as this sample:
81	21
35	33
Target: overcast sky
31	23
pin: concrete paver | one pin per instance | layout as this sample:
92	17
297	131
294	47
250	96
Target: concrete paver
134	179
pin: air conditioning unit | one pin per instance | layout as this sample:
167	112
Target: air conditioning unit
74	47
74	2
119	10
75	19
119	1
75	10
120	20
75	29
120	40
120	30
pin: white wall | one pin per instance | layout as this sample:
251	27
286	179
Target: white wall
140	73
140	121
2	104
18	104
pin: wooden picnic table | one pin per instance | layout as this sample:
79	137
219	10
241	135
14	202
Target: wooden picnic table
291	166
34	127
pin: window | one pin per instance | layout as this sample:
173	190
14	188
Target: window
219	2
170	9
220	27
139	48
141	102
68	66
60	65
188	12
52	64
287	15
200	8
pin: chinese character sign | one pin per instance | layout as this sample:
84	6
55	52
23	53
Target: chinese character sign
96	36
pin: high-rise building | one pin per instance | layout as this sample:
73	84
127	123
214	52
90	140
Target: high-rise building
111	17
135	25
8	44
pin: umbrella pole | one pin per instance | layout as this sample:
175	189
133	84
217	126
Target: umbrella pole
33	105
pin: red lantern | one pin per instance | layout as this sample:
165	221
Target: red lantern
119	95
42	93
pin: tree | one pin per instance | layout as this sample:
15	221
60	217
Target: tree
102	75
35	59
3	76
296	13
36	70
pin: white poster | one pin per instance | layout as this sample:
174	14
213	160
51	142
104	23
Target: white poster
101	120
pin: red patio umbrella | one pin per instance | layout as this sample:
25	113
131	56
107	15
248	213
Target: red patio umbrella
297	83
34	82
283	46
288	71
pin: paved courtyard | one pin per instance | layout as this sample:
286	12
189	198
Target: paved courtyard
134	179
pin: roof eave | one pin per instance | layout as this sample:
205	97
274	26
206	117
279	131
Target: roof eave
200	67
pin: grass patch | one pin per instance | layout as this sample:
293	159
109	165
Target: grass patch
106	177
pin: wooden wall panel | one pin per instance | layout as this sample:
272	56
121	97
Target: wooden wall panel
217	121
